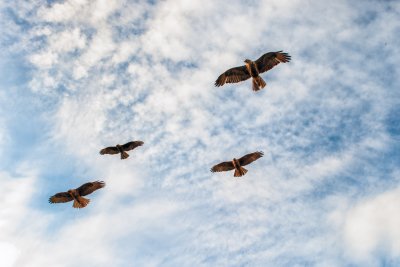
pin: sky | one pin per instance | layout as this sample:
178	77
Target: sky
79	75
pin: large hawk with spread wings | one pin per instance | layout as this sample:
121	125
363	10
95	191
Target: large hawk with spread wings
253	69
77	194
121	149
237	164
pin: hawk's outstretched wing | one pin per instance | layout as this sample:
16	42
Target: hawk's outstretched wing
249	158
90	187
109	150
233	75
223	166
270	60
61	198
131	145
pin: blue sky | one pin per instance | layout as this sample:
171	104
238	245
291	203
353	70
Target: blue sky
79	75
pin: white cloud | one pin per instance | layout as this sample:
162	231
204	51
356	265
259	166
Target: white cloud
44	60
371	227
10	254
67	41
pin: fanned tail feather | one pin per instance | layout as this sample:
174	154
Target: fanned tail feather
238	173
124	155
258	83
81	202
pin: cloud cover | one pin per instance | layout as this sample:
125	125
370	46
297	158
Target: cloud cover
94	73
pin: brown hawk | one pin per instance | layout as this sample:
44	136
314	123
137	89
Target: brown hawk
121	149
237	164
253	69
77	194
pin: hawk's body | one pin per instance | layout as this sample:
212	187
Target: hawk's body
236	164
252	69
121	149
77	194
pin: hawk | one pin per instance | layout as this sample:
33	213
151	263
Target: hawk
77	194
253	69
237	164
121	149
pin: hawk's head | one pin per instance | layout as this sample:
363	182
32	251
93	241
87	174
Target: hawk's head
72	192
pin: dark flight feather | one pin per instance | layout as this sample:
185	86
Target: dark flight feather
90	187
109	150
249	158
270	60
233	75
131	145
223	166
61	197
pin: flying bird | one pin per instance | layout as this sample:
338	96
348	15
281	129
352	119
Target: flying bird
253	69
237	164
77	194
121	149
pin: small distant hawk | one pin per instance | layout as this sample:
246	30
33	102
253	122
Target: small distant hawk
237	164
77	194
253	69
121	149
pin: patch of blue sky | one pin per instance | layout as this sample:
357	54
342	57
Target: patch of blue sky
368	175
24	24
21	109
392	122
124	32
386	260
175	68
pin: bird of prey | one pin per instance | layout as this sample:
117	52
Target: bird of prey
77	194
237	164
121	149
253	69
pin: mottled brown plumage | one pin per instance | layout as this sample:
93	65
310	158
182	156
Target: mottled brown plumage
77	194
121	149
253	69
237	164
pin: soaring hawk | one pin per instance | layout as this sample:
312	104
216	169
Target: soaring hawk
77	194
237	164
253	69
121	149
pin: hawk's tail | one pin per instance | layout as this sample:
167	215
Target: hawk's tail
242	171
124	155
258	83
80	202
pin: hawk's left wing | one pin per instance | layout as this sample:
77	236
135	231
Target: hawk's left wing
109	150
131	145
233	75
223	166
270	60
60	198
90	187
249	158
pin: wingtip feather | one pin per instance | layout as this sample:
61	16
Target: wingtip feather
101	183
